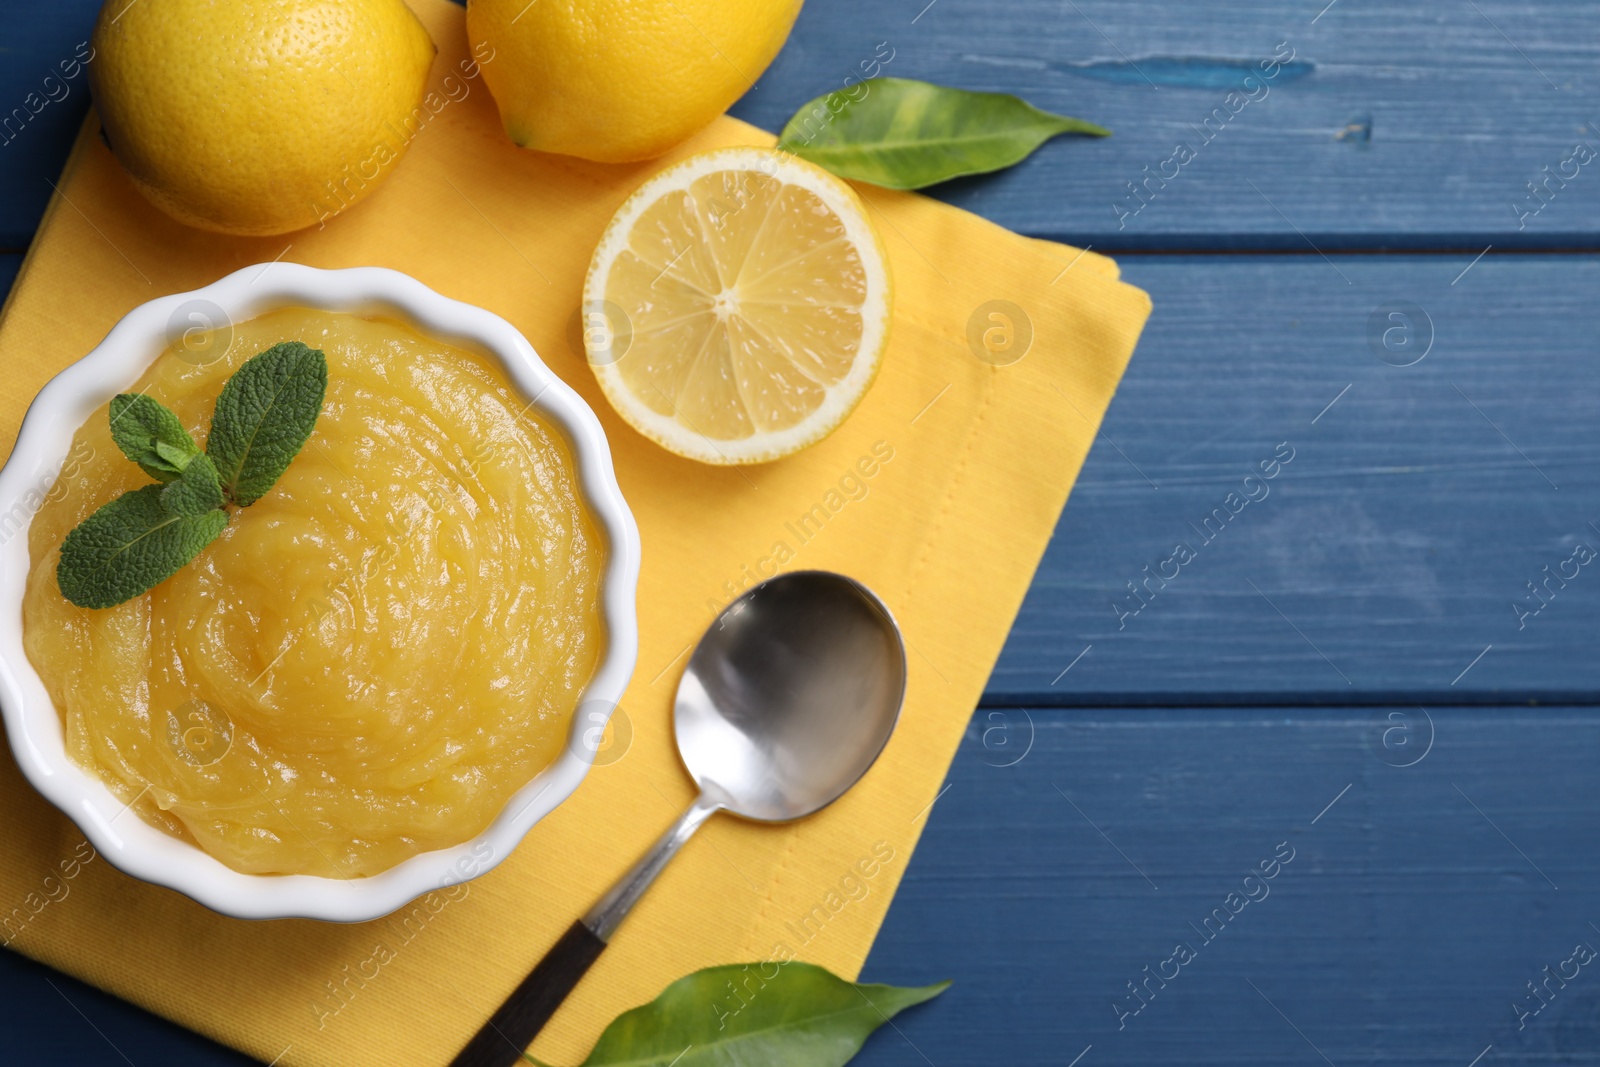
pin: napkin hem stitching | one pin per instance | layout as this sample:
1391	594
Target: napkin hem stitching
793	834
950	491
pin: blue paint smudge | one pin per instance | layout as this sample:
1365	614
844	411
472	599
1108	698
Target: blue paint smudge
1187	72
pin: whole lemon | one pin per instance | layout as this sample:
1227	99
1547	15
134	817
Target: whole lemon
259	116
622	80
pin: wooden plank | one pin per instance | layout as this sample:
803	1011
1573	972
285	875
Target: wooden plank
1411	125
1409	920
46	1012
1415	910
1386	556
41	107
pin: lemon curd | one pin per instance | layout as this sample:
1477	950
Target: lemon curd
370	659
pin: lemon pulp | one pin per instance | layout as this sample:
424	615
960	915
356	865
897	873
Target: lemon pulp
374	656
750	297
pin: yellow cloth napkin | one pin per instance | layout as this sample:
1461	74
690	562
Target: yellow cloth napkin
940	492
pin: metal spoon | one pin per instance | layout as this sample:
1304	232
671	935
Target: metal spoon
788	699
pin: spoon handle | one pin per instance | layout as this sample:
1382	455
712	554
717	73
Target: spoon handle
604	917
513	1026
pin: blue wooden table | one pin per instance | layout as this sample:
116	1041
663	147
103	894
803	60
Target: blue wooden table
1377	682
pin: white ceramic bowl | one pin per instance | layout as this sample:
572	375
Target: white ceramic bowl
31	721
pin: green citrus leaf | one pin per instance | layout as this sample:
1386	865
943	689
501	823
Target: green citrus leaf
196	491
263	417
754	1015
129	546
905	134
151	435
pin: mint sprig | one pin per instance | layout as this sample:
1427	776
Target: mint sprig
261	420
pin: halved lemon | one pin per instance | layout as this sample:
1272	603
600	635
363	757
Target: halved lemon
737	307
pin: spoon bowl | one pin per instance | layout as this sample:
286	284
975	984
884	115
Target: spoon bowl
791	695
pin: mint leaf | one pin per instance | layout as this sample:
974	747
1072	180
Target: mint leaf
151	435
129	546
196	491
178	457
263	417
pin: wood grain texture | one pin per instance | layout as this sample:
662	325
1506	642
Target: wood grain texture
1383	559
54	1020
1415	125
1413	913
40	108
1415	910
1389	552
